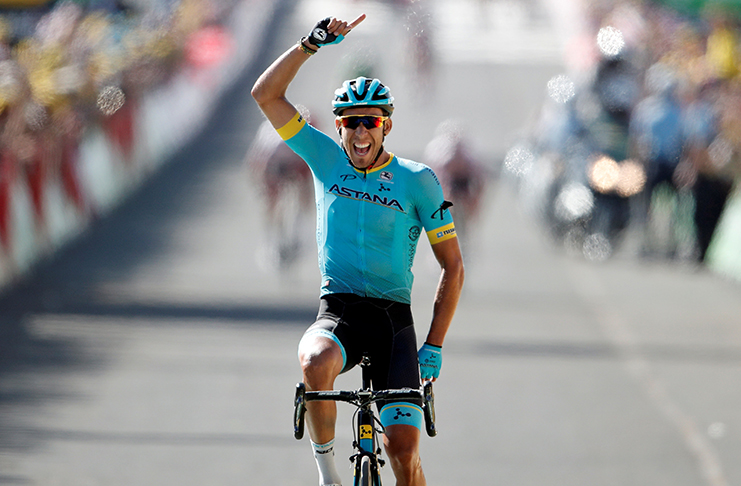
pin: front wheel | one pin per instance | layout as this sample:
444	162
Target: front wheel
366	479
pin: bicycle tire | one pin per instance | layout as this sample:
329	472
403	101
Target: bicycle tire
366	476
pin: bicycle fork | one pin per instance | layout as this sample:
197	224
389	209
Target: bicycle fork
368	452
367	440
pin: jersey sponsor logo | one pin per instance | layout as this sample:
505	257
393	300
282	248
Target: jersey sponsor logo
386	175
364	196
441	234
447	232
348	177
400	414
383	188
414	233
443	207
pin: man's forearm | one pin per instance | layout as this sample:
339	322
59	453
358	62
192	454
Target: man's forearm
270	88
446	301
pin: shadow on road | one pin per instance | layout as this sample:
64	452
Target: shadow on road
113	247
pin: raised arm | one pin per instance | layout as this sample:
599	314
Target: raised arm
270	88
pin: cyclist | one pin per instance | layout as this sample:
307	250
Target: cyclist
372	206
461	174
285	183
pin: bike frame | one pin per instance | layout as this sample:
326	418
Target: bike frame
366	443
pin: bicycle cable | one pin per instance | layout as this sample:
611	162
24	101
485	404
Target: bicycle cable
380	429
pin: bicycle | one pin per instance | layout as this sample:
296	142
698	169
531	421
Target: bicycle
367	460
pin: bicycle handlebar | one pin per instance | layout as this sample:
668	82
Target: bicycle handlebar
363	396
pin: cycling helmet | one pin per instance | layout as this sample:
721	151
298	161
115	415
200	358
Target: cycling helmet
363	91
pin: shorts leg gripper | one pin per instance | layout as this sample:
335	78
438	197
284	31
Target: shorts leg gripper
330	335
402	413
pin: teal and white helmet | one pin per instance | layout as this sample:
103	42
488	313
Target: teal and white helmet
363	92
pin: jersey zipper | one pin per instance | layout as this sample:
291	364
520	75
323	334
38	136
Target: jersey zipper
362	254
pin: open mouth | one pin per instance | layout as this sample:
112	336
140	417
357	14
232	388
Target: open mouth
361	149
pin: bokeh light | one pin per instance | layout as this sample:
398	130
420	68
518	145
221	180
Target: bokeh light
604	174
597	247
631	178
610	41
561	88
519	160
110	100
574	201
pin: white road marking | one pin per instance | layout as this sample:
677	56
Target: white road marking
621	336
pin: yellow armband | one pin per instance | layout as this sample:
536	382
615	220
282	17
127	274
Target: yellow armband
290	129
441	234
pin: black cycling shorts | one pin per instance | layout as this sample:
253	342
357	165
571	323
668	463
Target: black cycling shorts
383	329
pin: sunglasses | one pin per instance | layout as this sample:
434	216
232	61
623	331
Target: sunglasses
369	121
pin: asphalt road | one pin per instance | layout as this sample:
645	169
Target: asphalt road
160	348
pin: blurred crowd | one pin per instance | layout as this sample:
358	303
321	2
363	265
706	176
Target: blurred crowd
69	67
639	146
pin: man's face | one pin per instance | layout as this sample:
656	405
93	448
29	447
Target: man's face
362	144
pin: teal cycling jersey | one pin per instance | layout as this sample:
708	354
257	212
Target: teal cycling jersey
369	222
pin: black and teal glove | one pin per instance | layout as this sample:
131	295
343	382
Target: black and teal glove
319	36
430	361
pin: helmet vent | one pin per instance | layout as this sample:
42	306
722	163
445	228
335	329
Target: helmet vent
363	92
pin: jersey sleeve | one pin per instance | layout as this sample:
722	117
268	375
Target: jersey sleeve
432	209
316	148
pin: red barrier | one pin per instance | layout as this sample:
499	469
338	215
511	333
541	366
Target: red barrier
36	178
120	128
7	177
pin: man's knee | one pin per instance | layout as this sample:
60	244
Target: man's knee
320	358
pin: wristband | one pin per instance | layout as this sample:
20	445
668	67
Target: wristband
304	49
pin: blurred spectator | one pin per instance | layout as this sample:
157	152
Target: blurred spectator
655	126
617	87
657	142
704	165
722	46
